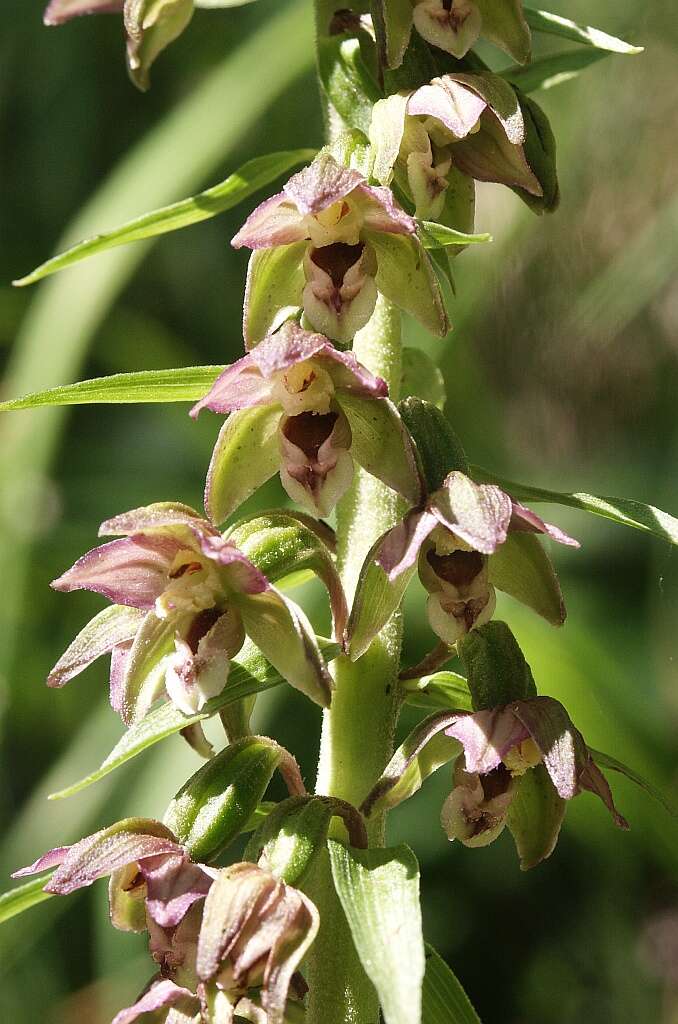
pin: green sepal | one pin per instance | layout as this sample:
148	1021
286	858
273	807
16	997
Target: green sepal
291	837
504	25
151	25
381	444
520	567
540	152
407	279
245	456
439	449
496	669
145	666
440	690
280	544
346	81
375	601
535	816
426	749
392	20
275	282
216	803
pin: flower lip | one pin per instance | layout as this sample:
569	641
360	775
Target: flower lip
459	567
309	431
336	259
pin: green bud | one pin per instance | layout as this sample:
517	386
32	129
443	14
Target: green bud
439	449
540	152
496	670
216	803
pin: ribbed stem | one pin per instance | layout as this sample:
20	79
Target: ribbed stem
358	730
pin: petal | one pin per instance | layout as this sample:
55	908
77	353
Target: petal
477	514
132	571
159	996
405	277
276	221
497	94
102	634
116	679
284	636
241	575
487	736
153	517
386	134
60	11
450	102
593	780
275	283
112	848
51	859
381	211
173	885
525	519
297	932
143	670
381	444
563	747
321	184
240	386
230	903
399	550
244	457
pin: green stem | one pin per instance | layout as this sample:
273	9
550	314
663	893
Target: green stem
358	730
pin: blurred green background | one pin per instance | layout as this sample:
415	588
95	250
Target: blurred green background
561	371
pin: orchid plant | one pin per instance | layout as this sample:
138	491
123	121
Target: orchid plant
318	919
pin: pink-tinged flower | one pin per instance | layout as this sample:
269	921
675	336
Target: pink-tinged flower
255	932
150	26
453	540
299	406
329	242
184	599
442	137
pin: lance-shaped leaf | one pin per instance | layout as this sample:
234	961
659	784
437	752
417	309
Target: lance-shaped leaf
624	511
23	897
615	765
552	70
556	25
520	567
439	236
440	690
426	749
244	457
495	666
184	384
275	283
280	545
212	808
379	894
439	449
535	816
250	673
253	175
346	81
112	626
443	998
405	277
381	444
376	599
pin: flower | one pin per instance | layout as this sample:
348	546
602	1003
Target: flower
318	410
452	539
441	137
255	932
337	242
184	599
150	26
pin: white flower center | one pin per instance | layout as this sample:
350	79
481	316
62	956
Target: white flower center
339	222
304	387
193	586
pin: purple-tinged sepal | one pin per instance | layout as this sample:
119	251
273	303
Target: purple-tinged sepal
182	1005
151	25
58	12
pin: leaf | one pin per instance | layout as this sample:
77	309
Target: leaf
438	236
379	893
23	897
535	816
614	765
184	384
556	25
250	673
346	81
552	70
441	690
422	378
443	999
253	175
520	567
624	511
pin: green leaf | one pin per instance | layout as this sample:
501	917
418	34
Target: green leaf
535	816
441	690
379	893
250	673
23	897
253	175
438	236
375	601
443	999
552	70
184	384
624	511
520	567
216	803
556	25
346	81
614	765
495	666
422	378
